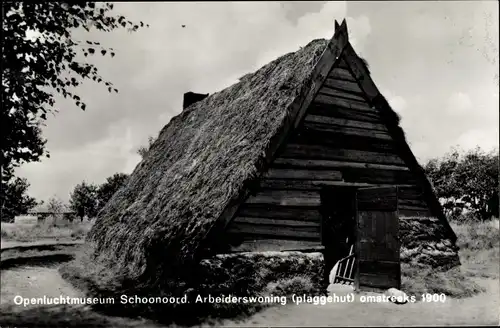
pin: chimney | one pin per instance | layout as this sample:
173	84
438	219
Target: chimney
191	97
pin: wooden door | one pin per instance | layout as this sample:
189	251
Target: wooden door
377	241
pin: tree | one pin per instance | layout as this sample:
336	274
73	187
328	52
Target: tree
83	200
477	174
110	187
55	205
467	181
442	173
14	199
39	57
143	150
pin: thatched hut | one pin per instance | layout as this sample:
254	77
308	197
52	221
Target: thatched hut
304	154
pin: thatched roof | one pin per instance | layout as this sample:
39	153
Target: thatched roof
201	160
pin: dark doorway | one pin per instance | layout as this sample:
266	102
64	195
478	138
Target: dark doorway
338	224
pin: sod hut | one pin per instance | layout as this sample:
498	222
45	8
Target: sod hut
303	155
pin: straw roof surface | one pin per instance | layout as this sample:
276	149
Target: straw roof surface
202	159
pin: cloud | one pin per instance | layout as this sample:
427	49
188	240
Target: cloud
294	10
420	149
92	163
487	139
459	103
359	30
398	103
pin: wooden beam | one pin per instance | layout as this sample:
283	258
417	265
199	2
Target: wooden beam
342	141
348	131
278	245
347	86
345	103
286	197
413	208
280	212
341	33
275	222
342	63
345	112
326	164
358	70
287	184
378	176
273	232
413	193
376	199
340	94
345	122
420	203
300	174
412	213
315	185
342	74
323	152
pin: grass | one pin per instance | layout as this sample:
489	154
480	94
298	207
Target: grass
479	244
50	228
479	256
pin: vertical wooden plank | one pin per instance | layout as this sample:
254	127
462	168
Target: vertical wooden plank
377	254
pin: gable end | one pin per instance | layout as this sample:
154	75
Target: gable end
391	119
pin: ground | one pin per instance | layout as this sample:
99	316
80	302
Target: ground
482	309
479	255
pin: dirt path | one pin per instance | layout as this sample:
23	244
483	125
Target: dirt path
6	244
482	309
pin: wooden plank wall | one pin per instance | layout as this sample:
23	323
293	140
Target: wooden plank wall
341	142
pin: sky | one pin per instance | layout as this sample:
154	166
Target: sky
435	62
